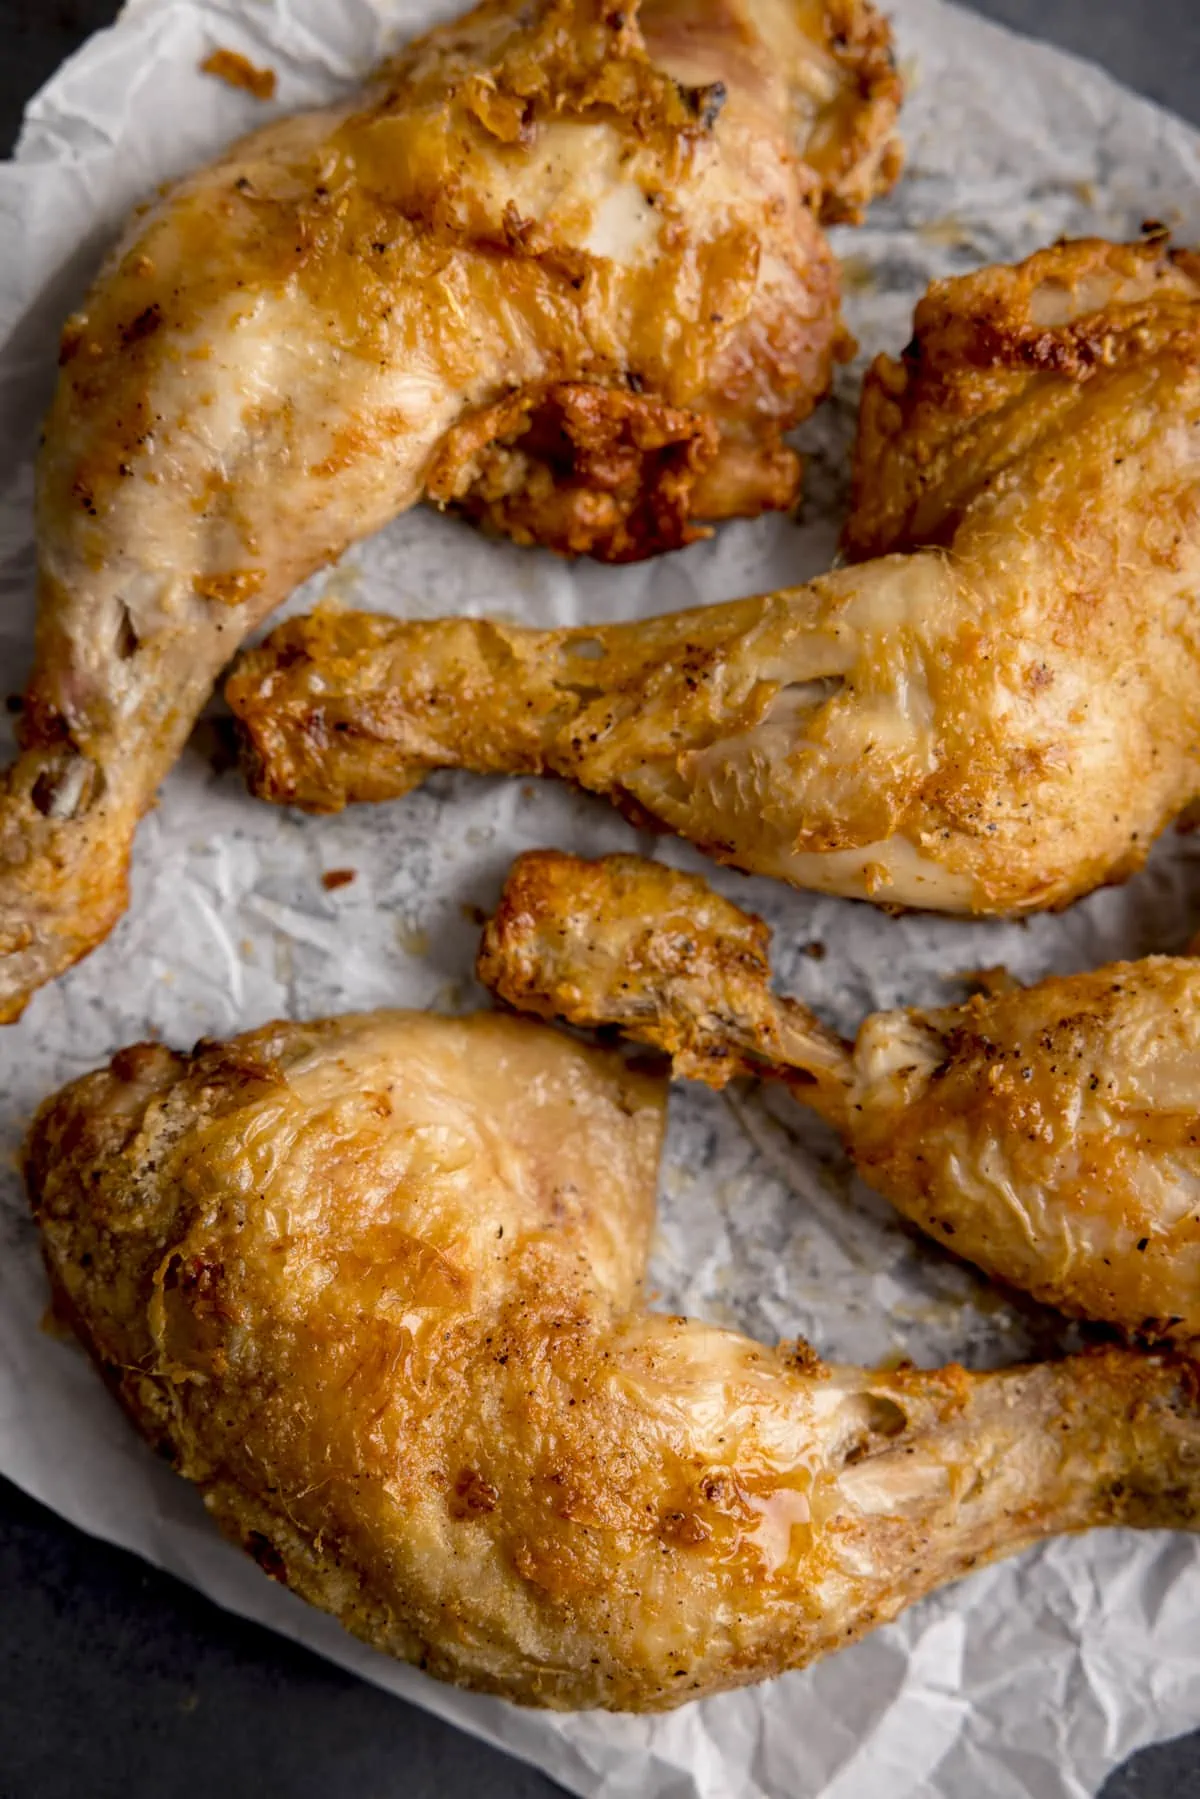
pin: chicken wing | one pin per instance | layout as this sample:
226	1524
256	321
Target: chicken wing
560	264
346	1276
1049	1134
993	726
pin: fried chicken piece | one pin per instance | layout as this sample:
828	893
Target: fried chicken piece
352	1279
994	726
1049	1134
560	265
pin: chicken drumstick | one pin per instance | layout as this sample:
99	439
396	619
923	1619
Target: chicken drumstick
993	726
344	1275
1051	1134
560	264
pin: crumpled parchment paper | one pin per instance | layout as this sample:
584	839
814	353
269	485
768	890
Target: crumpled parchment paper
1033	1677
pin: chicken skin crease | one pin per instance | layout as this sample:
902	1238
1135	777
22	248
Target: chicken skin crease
349	1277
993	725
1049	1134
560	265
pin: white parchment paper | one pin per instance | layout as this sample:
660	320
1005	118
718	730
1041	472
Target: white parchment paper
1032	1678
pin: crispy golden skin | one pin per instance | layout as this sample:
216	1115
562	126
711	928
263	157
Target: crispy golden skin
347	1277
560	264
971	430
993	726
1049	1134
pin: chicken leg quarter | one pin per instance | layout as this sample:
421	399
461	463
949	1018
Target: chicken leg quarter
992	725
347	1277
1050	1134
560	264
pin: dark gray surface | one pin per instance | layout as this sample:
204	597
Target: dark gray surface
117	1682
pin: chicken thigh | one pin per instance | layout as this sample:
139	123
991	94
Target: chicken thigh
992	726
559	264
349	1277
1049	1134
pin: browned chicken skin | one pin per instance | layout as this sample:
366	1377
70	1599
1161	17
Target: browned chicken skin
993	725
1049	1134
559	265
346	1276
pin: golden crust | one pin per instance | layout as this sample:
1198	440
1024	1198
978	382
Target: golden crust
591	235
988	373
1047	1134
993	726
1050	1135
582	470
853	149
344	1274
635	944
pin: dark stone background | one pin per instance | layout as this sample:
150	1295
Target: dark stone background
116	1682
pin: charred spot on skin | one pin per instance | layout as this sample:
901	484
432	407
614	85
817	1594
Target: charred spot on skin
267	1556
472	1496
705	103
43	726
686	1529
719	1489
802	1358
287	652
142	325
199	1276
86	498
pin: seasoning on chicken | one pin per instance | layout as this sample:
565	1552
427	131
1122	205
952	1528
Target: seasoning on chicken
993	725
1049	1134
374	1284
560	264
